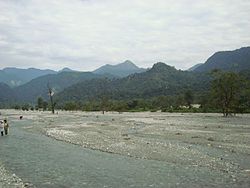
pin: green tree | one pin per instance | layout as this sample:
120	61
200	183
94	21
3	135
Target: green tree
45	105
163	102
17	107
25	107
40	102
226	91
189	98
71	106
178	102
104	103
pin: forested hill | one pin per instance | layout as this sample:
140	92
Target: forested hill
237	60
160	80
38	87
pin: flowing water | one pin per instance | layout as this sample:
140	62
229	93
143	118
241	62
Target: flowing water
46	162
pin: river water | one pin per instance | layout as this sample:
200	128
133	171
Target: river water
46	162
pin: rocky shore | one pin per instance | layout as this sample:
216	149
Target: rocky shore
192	141
10	181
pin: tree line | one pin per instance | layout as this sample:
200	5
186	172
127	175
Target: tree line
229	93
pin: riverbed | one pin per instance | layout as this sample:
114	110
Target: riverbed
89	149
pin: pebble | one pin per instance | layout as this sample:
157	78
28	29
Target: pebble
210	139
8	179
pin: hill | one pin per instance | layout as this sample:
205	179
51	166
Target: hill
120	70
195	67
236	61
30	91
160	80
10	80
15	77
6	95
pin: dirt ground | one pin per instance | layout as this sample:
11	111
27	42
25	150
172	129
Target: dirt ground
192	140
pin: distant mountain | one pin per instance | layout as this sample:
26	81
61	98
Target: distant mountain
161	79
6	94
30	91
195	67
11	80
15	77
66	69
120	70
237	60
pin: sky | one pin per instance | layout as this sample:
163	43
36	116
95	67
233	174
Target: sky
86	34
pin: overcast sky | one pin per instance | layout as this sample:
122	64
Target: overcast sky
86	34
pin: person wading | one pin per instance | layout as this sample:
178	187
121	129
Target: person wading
5	126
1	127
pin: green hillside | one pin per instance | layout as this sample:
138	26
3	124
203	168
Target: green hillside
160	80
38	87
236	61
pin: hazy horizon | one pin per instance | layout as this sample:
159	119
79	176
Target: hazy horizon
84	35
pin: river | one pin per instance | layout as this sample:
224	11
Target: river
45	162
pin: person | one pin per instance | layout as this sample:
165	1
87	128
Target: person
1	127
5	126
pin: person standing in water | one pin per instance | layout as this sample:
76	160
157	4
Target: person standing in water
1	127
5	126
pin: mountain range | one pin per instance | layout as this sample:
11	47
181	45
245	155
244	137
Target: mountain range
38	87
15	77
161	79
122	81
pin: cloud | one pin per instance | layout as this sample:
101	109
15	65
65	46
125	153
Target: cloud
85	34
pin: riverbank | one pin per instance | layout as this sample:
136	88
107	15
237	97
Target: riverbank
191	140
9	181
205	142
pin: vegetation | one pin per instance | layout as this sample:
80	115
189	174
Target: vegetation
233	61
161	88
226	91
229	94
188	96
38	87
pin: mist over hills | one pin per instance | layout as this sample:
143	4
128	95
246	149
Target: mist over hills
15	77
